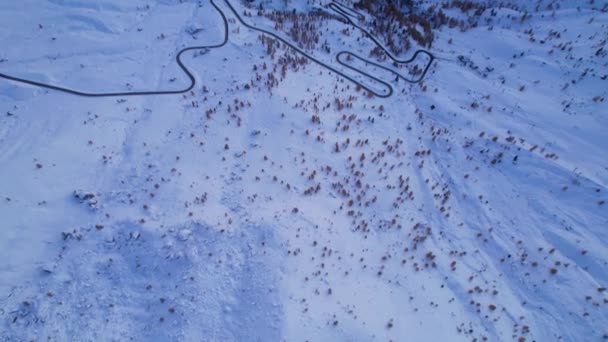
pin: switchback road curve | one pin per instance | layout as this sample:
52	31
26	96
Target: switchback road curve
350	13
342	10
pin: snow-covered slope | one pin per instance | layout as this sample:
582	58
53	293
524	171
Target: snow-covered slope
295	207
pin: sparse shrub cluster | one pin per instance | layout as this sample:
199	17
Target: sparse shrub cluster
302	28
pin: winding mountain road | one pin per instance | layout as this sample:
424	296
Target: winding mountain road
347	13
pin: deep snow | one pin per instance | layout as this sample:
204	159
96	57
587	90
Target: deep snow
478	199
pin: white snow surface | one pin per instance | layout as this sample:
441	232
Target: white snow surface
469	207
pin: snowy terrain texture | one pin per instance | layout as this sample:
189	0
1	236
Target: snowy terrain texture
278	201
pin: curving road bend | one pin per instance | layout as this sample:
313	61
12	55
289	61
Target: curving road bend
345	12
136	93
350	13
